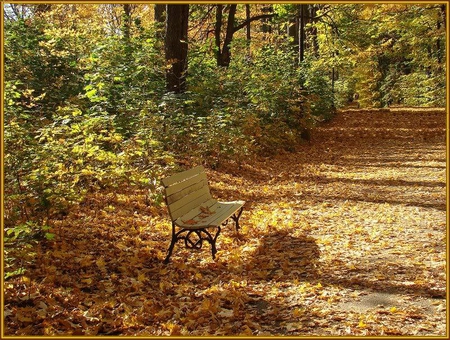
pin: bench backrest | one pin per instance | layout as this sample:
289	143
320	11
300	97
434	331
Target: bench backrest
185	191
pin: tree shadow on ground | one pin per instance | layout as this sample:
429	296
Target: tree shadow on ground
373	182
282	257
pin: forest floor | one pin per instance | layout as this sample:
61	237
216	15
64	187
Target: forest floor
345	236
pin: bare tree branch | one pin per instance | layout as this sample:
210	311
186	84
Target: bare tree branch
258	17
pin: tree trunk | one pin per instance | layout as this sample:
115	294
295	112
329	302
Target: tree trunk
249	35
126	22
439	44
217	30
223	50
160	13
313	31
266	26
301	33
224	53
247	18
126	31
292	31
176	47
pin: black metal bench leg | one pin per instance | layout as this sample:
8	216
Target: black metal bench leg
236	218
172	244
192	244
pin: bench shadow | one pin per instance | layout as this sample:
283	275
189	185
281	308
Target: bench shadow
281	256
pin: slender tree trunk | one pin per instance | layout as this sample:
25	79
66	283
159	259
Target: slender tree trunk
292	30
160	18
249	35
176	47
223	49
266	26
126	21
313	31
224	55
160	13
247	18
439	44
217	31
301	32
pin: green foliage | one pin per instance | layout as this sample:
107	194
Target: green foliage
314	76
75	116
392	54
122	76
275	98
24	237
44	62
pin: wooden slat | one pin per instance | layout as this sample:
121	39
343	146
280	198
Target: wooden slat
189	202
186	191
175	188
192	214
182	176
187	195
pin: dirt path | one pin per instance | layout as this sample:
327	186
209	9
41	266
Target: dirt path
371	190
347	236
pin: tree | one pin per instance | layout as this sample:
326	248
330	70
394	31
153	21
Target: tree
176	47
223	50
223	46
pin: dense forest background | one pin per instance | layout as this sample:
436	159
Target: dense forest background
113	95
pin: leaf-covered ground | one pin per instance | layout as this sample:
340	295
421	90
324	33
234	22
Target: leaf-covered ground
346	236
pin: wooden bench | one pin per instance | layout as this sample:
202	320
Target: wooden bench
193	211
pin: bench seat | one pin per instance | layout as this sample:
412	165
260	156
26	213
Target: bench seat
210	214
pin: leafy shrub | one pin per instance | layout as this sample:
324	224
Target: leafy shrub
19	242
317	87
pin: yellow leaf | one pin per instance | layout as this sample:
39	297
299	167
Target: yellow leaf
87	281
206	305
142	277
393	309
23	318
100	263
189	222
297	312
173	328
246	331
362	324
25	279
